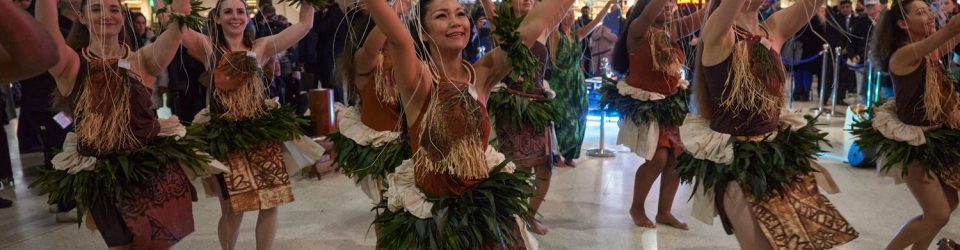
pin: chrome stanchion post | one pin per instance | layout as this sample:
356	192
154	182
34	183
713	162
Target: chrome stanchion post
825	54
836	81
601	151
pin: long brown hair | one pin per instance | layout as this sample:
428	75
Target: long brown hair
219	39
700	91
79	36
888	37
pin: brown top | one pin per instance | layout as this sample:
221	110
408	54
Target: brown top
909	93
739	122
239	90
643	74
104	79
380	112
538	92
456	118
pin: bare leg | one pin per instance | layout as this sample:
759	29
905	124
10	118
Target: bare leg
266	228
929	193
642	182
669	183
229	227
126	247
745	227
952	202
543	174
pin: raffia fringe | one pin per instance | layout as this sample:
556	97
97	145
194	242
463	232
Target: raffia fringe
664	55
466	160
384	91
110	132
746	93
245	102
940	98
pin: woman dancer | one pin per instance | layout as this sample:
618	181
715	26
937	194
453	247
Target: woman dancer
443	100
571	99
243	131
748	163
653	100
369	143
522	113
915	133
129	178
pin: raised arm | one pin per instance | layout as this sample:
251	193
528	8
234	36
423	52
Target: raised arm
406	66
687	25
155	57
271	45
489	11
25	48
493	67
371	48
717	34
638	27
198	45
65	70
787	22
589	27
907	58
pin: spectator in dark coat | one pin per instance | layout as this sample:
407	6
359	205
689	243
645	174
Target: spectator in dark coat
322	44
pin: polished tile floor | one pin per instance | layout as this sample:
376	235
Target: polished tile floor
585	209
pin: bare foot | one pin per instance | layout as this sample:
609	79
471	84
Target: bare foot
640	219
538	228
669	220
561	164
570	163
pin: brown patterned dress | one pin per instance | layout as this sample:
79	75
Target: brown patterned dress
114	116
258	178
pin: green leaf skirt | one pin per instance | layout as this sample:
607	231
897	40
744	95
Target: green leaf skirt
521	111
481	218
670	111
359	161
761	167
276	126
115	175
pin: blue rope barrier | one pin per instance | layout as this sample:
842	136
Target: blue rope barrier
801	61
844	60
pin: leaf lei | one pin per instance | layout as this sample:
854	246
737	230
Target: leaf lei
526	67
763	167
462	222
193	20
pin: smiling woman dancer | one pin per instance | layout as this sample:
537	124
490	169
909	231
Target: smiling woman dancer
243	131
915	132
443	99
128	178
750	164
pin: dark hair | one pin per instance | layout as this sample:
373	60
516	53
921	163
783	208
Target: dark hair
218	37
423	48
844	2
887	36
133	40
359	26
79	36
621	59
701	92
